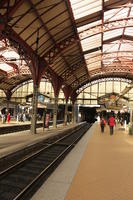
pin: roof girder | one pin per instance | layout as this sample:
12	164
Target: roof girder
12	9
58	48
108	26
14	37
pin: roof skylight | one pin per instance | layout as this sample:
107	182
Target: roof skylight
112	33
5	67
82	8
9	55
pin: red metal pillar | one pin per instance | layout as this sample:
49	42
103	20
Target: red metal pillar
73	98
55	108
66	113
38	71
73	113
34	109
131	121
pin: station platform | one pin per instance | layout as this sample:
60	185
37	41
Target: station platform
99	167
12	142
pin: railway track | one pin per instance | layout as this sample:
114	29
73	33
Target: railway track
22	127
12	158
21	180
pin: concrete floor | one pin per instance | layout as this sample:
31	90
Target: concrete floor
100	167
106	169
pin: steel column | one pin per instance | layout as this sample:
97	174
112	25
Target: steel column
55	112
66	112
34	109
131	121
131	117
73	114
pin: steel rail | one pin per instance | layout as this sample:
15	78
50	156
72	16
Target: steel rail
48	158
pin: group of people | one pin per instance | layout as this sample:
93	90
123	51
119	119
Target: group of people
111	123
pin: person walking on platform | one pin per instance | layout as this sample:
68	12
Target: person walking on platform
102	124
111	123
8	117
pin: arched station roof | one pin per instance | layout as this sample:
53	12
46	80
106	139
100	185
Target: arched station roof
76	41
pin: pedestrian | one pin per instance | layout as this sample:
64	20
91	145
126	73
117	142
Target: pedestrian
102	124
47	118
5	117
111	123
8	117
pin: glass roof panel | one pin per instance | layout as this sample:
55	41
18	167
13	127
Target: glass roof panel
126	47
5	67
89	29
131	13
10	55
129	31
93	54
93	59
10	60
88	26
95	65
82	8
2	44
112	34
91	42
116	14
110	47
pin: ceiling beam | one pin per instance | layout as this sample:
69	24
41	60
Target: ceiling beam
58	48
2	3
108	26
13	8
15	39
93	50
51	37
